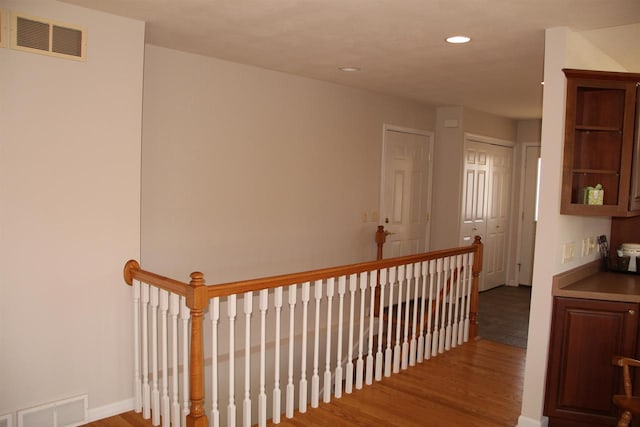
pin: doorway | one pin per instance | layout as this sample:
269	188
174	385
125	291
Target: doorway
528	208
486	203
405	190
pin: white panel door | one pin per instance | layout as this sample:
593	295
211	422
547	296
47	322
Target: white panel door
474	193
486	201
498	216
406	188
528	230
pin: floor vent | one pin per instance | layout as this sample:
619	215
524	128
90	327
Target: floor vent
63	413
46	37
6	420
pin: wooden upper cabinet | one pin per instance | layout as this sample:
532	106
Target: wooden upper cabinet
600	134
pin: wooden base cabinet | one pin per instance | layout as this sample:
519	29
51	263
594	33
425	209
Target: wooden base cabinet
580	377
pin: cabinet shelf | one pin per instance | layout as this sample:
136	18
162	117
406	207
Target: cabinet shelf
585	128
598	171
599	143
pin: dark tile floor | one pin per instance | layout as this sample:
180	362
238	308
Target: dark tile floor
503	314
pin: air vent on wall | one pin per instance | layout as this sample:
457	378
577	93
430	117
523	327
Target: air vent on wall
44	36
70	412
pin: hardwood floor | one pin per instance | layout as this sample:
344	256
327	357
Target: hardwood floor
478	384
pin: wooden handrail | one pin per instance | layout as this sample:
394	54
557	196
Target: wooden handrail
197	296
253	285
132	271
197	301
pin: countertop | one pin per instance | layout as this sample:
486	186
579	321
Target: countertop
589	282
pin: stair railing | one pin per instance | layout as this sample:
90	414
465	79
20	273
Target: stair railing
427	302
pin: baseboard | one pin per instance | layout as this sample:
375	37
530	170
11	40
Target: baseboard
530	422
110	410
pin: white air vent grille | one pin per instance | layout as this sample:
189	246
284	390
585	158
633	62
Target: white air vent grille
47	37
3	39
63	413
67	41
32	34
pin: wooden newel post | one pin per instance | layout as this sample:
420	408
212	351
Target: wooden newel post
197	300
477	268
381	237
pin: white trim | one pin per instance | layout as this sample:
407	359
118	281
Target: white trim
530	422
8	418
430	135
110	410
523	157
487	140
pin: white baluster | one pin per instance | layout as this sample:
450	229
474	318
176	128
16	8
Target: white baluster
423	295
327	367
388	354
432	285
407	306
453	276
469	276
292	319
373	277
302	403
353	285
184	320
155	392
397	349
137	379
379	357
246	403
463	297
360	361
443	312
214	315
231	313
174	310
164	351
277	394
414	330
436	301
315	377
456	302
262	396
342	285
146	391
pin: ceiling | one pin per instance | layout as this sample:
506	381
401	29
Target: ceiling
398	44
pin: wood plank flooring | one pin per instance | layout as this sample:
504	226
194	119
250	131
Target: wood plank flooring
478	384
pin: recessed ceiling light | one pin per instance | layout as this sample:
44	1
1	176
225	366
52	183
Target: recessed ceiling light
349	69
458	39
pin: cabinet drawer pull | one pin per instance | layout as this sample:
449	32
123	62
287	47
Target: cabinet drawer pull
632	312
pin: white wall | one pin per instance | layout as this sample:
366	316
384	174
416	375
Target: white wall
563	49
69	212
248	172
